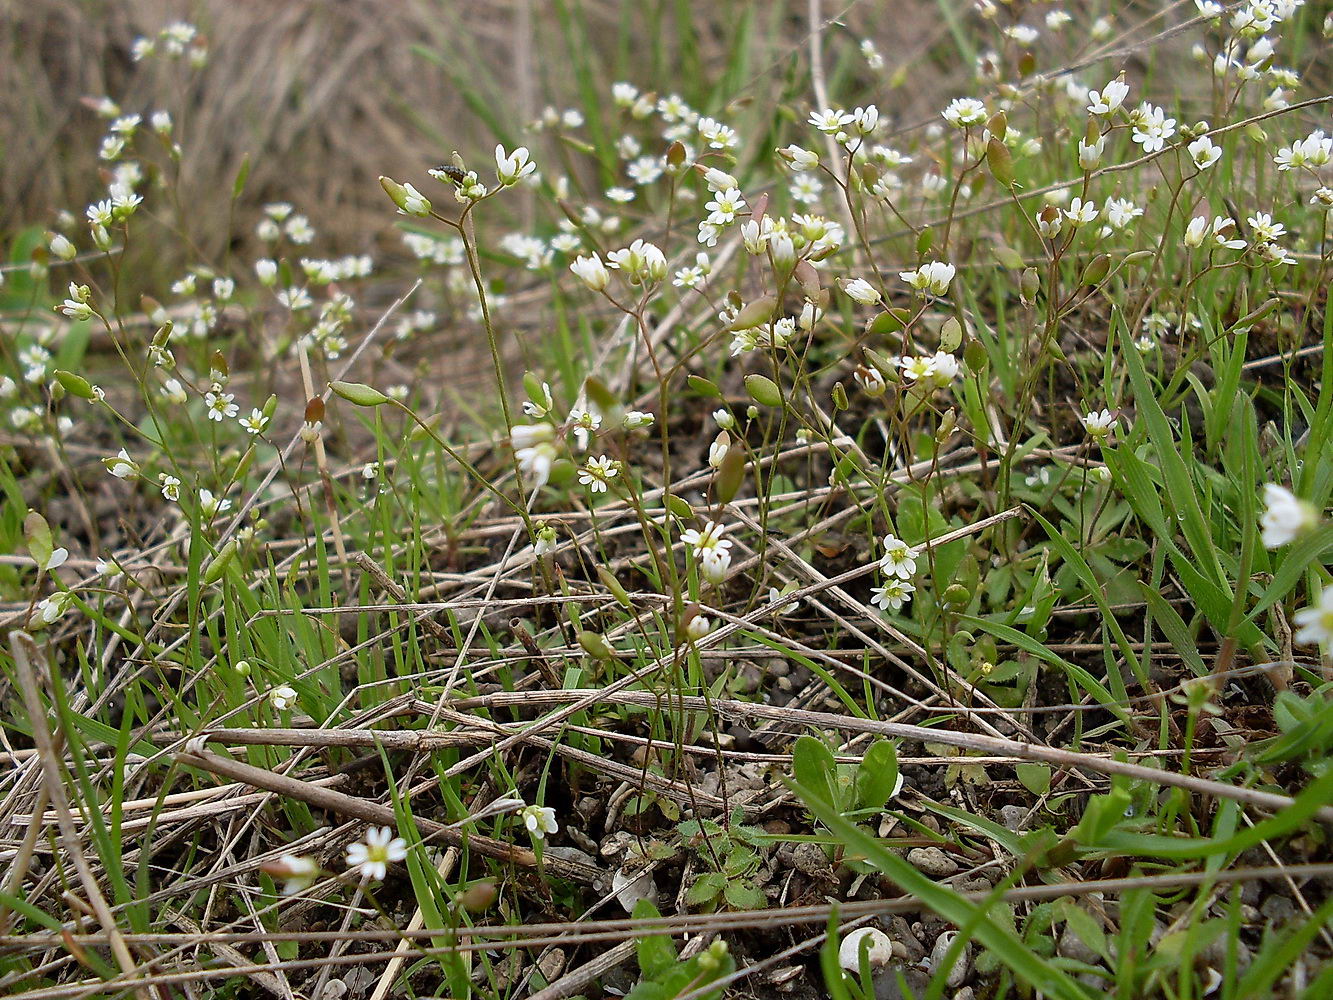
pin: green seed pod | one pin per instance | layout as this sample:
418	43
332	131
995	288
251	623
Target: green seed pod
1029	284
730	475
220	562
1000	161
677	507
763	390
359	393
951	335
1097	270
1008	257
839	396
703	386
957	596
753	314
595	645
610	582
974	356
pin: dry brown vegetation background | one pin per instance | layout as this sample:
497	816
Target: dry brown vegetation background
325	95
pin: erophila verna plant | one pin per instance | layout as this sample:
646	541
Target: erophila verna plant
738	533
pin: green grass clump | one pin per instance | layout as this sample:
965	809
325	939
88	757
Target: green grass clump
730	510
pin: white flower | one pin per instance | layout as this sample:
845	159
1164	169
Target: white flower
1196	231
865	120
61	247
634	419
583	422
372	858
802	160
255	423
805	188
1151	128
918	368
1109	100
220	404
719	180
717	135
645	170
540	821
714	565
892	595
1224	229
964	112
870	380
171	486
1203	152
414	203
545	542
724	206
1316	622
1098	423
512	167
370	470
707	542
1081	212
598	472
830	120
1050	222
1265	229
122	466
591	271
77	306
861	291
899	558
58	556
1285	517
698	627
640	262
535	462
211	506
1120	212
946	367
1090	154
282	698
298	873
934	277
717	451
51	608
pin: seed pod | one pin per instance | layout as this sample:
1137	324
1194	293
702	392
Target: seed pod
763	390
359	393
75	385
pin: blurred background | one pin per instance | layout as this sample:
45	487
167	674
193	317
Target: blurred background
322	96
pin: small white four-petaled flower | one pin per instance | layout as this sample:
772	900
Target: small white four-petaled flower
1285	517
540	821
372	858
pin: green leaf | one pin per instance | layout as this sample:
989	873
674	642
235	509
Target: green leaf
656	952
743	896
814	767
706	888
876	775
1036	778
948	904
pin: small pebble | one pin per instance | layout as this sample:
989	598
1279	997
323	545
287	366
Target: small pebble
932	861
961	965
